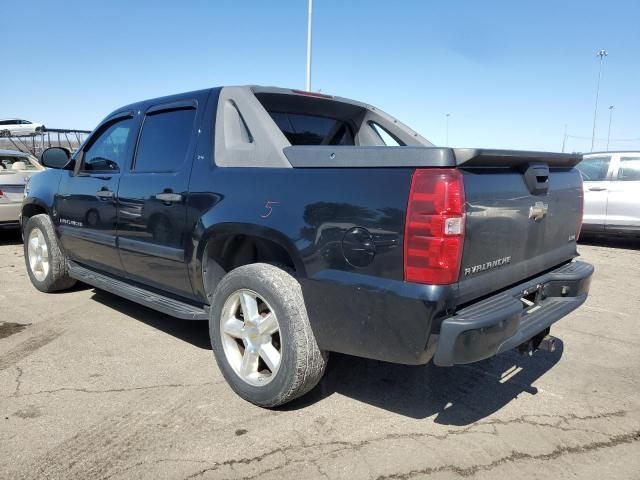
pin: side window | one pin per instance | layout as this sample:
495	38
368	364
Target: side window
385	136
107	152
164	140
594	169
629	170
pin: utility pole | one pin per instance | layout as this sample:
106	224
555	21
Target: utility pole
564	139
446	142
309	16
602	53
611	107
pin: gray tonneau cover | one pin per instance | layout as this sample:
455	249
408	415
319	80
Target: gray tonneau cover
354	157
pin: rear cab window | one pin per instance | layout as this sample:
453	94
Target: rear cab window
303	129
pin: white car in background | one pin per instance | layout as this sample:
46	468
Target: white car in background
16	168
611	192
17	126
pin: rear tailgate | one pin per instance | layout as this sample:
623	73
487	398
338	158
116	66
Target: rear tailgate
523	216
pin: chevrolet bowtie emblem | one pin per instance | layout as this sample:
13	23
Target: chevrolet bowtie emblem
538	211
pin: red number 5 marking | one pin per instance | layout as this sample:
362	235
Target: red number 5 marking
269	208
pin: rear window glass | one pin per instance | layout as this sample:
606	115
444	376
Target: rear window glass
164	140
15	163
594	169
313	130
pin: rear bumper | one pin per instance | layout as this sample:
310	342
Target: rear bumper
501	322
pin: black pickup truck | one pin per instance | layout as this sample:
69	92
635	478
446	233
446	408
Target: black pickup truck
300	224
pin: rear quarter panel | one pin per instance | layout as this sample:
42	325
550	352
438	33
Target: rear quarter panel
311	209
368	310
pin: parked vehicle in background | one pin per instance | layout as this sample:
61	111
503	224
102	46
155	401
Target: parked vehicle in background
16	126
611	182
15	170
294	226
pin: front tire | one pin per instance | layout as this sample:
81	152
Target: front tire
261	336
46	264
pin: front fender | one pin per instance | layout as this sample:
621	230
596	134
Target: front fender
41	190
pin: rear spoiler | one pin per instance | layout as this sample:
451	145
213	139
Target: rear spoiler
312	156
474	157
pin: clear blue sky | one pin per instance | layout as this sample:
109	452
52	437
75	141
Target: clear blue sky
511	73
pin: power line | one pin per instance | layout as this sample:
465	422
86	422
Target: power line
604	139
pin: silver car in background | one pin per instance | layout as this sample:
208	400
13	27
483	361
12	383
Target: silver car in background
611	192
15	170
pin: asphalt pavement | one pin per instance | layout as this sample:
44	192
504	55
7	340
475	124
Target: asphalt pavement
93	386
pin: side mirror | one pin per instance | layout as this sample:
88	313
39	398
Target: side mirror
55	157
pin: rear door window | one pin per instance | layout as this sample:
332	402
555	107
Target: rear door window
629	170
164	140
303	129
594	169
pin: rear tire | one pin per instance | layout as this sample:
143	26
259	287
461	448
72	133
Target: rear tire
261	336
46	264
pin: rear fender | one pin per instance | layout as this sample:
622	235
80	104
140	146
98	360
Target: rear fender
203	237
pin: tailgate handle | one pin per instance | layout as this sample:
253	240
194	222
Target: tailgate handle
536	176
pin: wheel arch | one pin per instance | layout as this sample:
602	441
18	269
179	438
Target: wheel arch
31	207
227	246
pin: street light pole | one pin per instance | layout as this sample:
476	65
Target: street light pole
611	107
309	16
446	142
602	53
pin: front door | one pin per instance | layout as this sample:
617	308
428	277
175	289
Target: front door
623	207
152	199
85	212
596	180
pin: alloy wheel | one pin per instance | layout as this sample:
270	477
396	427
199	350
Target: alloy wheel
38	254
251	337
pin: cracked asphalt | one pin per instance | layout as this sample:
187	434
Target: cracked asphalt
92	386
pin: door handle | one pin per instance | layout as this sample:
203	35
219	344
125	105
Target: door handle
597	189
104	194
169	197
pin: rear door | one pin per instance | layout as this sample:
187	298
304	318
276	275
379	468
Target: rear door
152	198
623	207
596	176
85	205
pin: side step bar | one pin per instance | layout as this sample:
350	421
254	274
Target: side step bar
150	299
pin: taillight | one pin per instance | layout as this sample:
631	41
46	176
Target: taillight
434	227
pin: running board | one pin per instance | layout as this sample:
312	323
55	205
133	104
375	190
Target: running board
150	299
